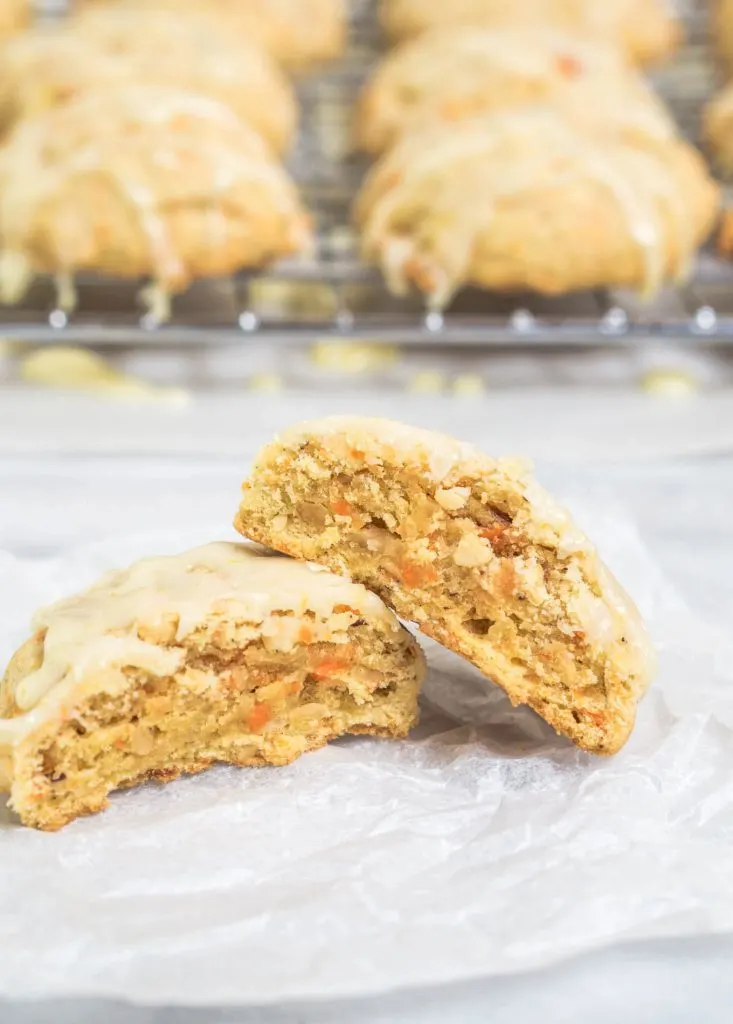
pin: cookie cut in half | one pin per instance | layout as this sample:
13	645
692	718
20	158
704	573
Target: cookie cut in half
646	30
473	551
225	653
450	74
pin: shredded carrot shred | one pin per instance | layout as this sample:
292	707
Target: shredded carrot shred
568	65
413	574
305	634
329	667
341	507
258	717
493	533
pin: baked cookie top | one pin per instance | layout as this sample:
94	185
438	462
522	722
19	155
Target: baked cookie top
298	33
139	181
646	29
15	15
452	73
112	45
139	617
448	206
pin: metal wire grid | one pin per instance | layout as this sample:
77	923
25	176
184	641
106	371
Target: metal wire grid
334	294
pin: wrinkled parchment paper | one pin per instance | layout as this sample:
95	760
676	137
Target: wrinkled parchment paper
483	845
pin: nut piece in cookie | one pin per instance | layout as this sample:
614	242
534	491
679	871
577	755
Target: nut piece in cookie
450	74
225	653
645	29
525	200
142	181
472	550
111	46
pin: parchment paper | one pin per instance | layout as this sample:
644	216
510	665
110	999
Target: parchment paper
481	846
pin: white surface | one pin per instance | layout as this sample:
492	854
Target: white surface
568	425
455	855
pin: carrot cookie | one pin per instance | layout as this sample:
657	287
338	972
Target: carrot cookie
298	33
225	653
722	31
142	181
473	551
718	129
645	29
15	15
452	73
111	46
524	200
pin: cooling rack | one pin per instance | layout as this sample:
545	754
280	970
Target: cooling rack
334	295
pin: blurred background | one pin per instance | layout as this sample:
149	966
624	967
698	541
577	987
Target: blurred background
129	333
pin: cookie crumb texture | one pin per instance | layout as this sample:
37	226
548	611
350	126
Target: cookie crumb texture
223	654
473	551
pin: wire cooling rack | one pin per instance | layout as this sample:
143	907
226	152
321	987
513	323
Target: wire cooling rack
334	295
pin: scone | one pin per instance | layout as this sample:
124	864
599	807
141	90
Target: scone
15	15
224	653
472	550
142	181
524	200
452	73
111	46
645	29
298	33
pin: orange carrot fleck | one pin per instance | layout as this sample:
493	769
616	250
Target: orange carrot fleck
493	533
329	667
597	717
341	507
258	717
568	66
305	634
414	574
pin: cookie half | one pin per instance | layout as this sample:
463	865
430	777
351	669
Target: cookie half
142	181
473	551
646	29
224	653
447	75
527	201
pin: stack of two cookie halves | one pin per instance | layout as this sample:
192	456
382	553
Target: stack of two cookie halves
234	653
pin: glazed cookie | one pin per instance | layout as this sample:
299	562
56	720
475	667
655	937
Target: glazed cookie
718	129
142	181
111	46
298	33
645	29
722	31
225	653
452	73
15	15
473	551
524	200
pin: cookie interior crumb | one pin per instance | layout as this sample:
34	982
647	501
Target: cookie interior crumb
466	561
